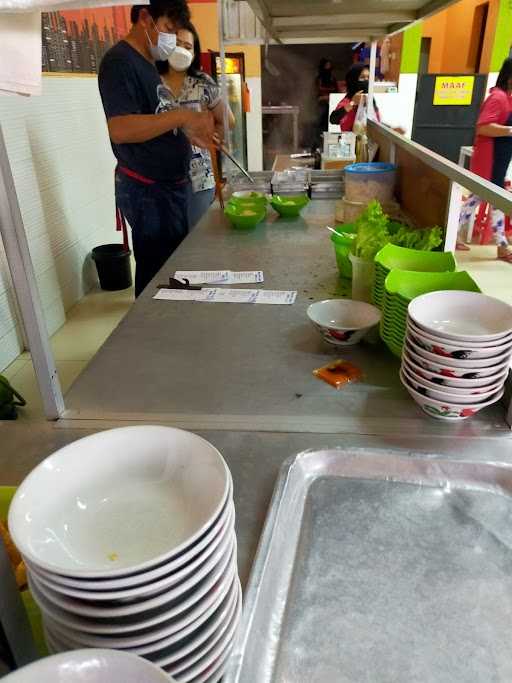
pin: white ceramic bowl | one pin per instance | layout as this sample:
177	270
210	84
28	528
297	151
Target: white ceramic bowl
204	547
208	652
444	410
211	656
462	316
214	626
422	376
175	604
176	584
142	629
343	322
89	666
452	374
439	339
470	364
458	352
215	671
151	644
443	393
122	501
183	645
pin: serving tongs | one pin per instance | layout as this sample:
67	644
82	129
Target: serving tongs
179	284
237	164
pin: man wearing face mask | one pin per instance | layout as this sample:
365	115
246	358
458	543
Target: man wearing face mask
152	145
185	85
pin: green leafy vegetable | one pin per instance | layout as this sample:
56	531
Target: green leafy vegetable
375	230
372	232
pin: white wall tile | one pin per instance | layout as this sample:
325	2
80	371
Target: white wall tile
63	169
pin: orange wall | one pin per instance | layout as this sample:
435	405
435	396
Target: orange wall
450	32
204	17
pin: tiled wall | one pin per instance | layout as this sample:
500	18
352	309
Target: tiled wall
63	171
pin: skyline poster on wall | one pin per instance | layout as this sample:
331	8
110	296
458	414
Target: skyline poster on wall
74	41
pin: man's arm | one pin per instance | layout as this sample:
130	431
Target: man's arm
142	127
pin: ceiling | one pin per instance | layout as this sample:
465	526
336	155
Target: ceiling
332	21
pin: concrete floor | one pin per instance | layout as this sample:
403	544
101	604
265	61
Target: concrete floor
492	276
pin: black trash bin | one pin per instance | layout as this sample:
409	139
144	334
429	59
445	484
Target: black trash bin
113	266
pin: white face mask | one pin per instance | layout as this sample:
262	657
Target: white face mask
181	59
165	45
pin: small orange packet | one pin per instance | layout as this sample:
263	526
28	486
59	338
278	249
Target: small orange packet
338	373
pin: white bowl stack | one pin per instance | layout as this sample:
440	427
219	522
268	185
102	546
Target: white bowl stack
128	538
457	352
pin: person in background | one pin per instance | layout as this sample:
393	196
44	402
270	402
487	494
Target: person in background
152	145
492	154
186	86
357	80
326	84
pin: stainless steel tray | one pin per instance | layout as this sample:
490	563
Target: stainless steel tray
380	568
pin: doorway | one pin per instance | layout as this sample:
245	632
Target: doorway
477	37
426	44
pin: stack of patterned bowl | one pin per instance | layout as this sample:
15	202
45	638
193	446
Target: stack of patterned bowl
457	353
128	538
401	287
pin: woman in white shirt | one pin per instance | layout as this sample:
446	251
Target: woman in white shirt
186	86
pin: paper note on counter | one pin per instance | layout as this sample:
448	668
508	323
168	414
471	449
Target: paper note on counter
182	294
228	296
250	296
275	296
219	277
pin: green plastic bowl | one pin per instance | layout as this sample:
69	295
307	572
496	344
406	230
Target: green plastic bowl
249	199
238	220
289	206
342	245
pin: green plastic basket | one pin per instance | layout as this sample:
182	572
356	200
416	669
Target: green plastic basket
392	257
407	285
342	243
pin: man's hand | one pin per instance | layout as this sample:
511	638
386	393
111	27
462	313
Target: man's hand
200	128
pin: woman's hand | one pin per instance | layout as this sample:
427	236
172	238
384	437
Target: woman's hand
358	97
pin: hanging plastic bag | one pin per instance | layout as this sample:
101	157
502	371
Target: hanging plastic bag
361	119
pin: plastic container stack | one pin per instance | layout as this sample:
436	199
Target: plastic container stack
291	182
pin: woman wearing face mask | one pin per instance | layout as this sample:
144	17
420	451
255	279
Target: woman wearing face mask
186	86
357	80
